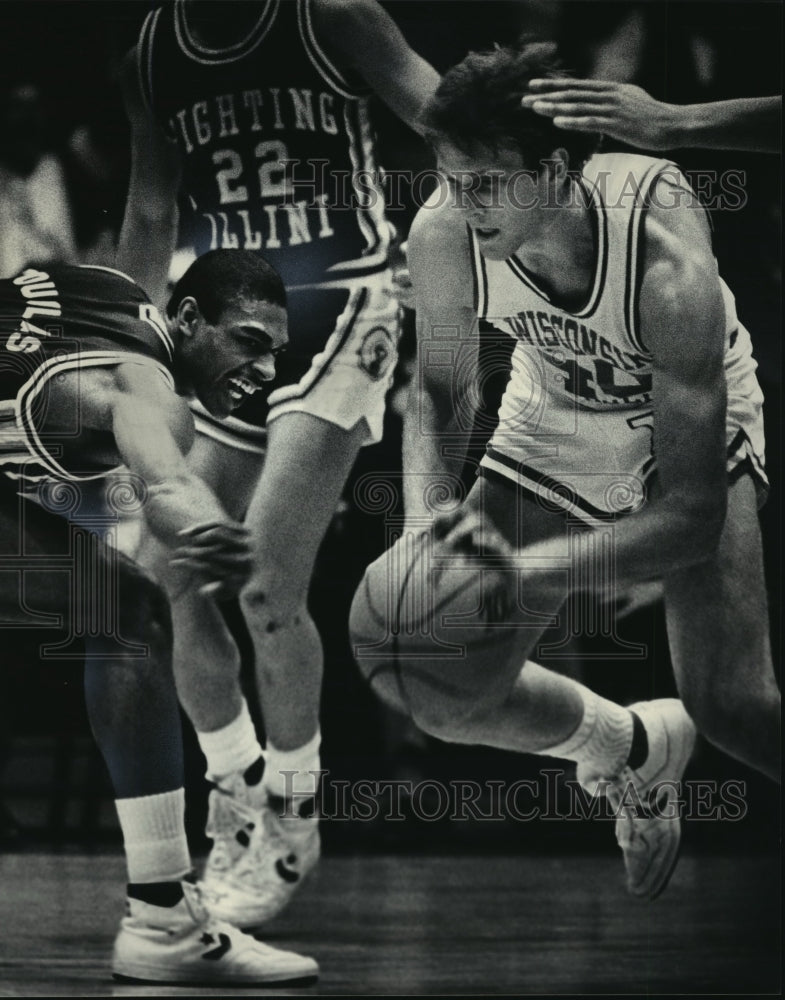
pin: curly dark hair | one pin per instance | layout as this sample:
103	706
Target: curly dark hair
220	278
478	106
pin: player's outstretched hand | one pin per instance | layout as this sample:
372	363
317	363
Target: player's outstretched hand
219	553
620	110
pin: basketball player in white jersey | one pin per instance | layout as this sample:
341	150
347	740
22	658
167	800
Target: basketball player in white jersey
223	95
632	408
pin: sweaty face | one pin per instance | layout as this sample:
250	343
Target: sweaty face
233	357
500	198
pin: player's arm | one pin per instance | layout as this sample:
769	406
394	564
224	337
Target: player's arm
683	325
626	112
439	412
153	430
149	231
360	35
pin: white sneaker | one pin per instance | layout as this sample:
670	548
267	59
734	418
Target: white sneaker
646	801
231	819
184	944
261	881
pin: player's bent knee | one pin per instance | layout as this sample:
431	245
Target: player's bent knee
448	721
267	610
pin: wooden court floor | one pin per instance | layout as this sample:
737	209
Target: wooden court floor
522	925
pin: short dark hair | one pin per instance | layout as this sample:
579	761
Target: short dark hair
478	106
220	278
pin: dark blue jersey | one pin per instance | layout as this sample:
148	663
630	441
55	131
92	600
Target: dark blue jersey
54	321
277	143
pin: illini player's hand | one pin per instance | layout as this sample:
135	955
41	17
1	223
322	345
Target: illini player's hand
620	110
219	554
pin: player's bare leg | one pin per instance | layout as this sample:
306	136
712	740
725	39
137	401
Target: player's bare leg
719	637
207	668
307	465
495	695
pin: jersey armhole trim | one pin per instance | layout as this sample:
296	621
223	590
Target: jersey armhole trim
479	275
56	366
635	252
231	53
111	270
599	219
326	68
144	58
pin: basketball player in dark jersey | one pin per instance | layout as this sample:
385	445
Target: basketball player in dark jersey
90	380
261	111
629	448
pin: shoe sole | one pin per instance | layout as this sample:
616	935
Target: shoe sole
141	975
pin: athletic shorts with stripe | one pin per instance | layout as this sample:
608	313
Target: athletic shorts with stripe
595	463
343	380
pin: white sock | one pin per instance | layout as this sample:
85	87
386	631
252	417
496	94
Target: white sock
603	738
156	849
231	748
287	772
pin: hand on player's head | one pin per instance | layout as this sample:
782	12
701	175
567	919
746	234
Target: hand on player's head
619	110
219	554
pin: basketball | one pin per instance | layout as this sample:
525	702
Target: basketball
421	610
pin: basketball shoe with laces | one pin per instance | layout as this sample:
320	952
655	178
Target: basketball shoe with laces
646	800
183	943
259	856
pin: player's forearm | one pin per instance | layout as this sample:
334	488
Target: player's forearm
432	457
648	545
178	503
752	123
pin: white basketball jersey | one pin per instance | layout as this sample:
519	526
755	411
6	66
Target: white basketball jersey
575	423
595	355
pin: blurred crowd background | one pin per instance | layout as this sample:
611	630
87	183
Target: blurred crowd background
64	158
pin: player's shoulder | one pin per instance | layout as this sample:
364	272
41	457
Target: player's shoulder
677	232
438	228
678	271
339	23
100	287
439	249
338	10
625	180
332	18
